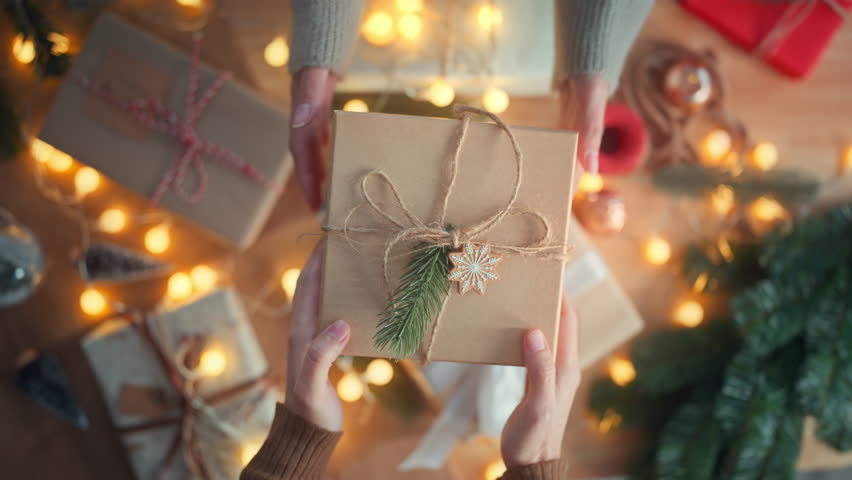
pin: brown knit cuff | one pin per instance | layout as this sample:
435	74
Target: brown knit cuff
294	449
551	470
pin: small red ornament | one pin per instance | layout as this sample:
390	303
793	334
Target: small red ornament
624	140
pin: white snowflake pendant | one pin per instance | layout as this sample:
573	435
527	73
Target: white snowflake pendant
473	267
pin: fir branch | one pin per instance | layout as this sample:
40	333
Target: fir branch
789	187
741	272
415	302
31	22
691	442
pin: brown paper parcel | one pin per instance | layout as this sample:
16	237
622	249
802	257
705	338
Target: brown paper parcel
136	65
414	153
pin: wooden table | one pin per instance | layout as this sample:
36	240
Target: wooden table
809	121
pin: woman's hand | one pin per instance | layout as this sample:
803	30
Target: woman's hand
534	432
583	101
310	94
310	355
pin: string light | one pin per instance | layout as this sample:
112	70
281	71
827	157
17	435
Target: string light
289	279
61	44
845	160
689	314
621	371
356	105
610	420
277	53
766	209
23	49
715	146
191	3
657	250
495	100
249	449
203	278
764	156
489	17
410	26
93	302
158	239
722	199
441	93
212	362
86	181
59	161
379	372
494	470
590	183
112	220
378	28
725	249
700	282
409	6
179	286
41	150
349	387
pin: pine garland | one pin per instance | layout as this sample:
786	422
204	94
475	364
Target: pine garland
415	302
728	400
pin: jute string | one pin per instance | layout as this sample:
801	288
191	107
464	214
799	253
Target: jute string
412	229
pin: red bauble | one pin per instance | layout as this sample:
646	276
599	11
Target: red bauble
624	140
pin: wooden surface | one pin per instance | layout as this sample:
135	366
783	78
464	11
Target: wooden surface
809	121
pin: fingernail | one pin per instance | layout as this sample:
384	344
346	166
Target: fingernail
302	115
535	341
592	162
338	330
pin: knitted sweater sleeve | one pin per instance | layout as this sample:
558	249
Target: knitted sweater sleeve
594	36
324	33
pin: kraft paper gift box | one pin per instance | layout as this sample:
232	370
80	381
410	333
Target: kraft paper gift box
414	152
144	403
133	65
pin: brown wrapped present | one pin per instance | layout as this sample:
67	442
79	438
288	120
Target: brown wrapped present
403	165
159	123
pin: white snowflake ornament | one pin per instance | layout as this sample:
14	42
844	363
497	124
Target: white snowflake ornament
473	267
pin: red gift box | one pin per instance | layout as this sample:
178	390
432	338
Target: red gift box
789	35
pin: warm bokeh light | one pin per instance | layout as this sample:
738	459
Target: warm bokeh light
494	470
61	44
722	199
845	161
715	146
409	6
378	28
249	449
112	220
766	209
379	372
86	181
356	105
764	156
93	302
289	279
700	282
41	150
23	49
621	371
350	388
609	421
158	239
725	249
495	100
590	183
203	278
212	362
489	17
59	161
657	250
190	3
688	313
277	52
410	26
179	286
441	93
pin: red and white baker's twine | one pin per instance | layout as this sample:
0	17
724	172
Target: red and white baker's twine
154	115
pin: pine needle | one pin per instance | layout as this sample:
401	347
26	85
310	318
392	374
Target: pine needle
414	303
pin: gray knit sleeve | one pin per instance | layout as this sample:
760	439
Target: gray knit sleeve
594	36
324	33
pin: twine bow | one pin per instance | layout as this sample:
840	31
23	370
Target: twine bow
152	114
792	17
191	405
436	233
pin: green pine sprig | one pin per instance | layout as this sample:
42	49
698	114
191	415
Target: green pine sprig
415	302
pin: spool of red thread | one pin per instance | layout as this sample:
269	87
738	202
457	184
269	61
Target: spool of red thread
624	140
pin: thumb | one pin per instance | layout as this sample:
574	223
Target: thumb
541	375
321	354
309	88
